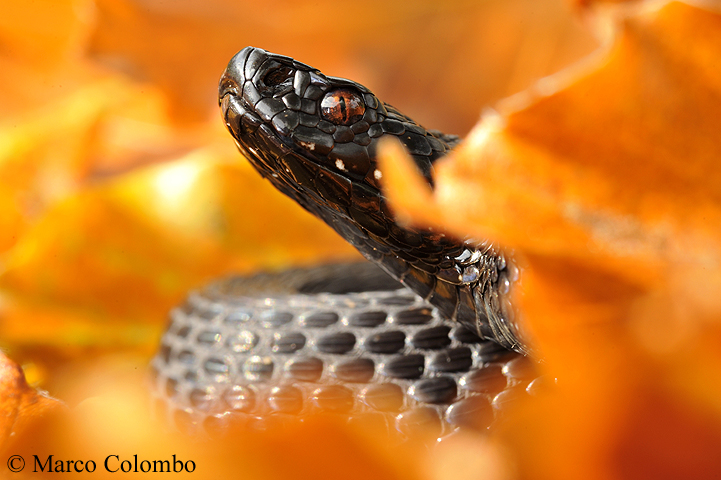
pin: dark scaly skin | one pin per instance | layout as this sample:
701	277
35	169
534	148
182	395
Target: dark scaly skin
272	106
347	339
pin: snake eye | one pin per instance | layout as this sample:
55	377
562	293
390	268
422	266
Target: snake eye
342	107
277	76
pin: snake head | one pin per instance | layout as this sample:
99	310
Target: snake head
314	124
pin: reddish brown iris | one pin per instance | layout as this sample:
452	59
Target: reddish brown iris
342	107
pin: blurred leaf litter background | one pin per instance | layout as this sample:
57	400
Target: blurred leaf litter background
119	186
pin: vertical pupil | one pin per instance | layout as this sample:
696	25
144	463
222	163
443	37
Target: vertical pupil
343	109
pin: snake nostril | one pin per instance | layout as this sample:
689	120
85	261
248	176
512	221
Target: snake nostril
232	112
227	85
224	103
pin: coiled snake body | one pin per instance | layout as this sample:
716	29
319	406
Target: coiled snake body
347	339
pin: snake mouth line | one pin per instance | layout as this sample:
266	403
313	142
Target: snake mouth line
243	122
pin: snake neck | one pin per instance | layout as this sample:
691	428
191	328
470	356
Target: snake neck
315	138
467	283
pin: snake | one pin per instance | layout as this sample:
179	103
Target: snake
423	337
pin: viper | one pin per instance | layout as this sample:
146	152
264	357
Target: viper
425	334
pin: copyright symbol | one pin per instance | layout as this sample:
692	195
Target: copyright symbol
16	463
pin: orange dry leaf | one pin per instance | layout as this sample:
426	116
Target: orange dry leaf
113	423
605	180
19	403
147	239
621	160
